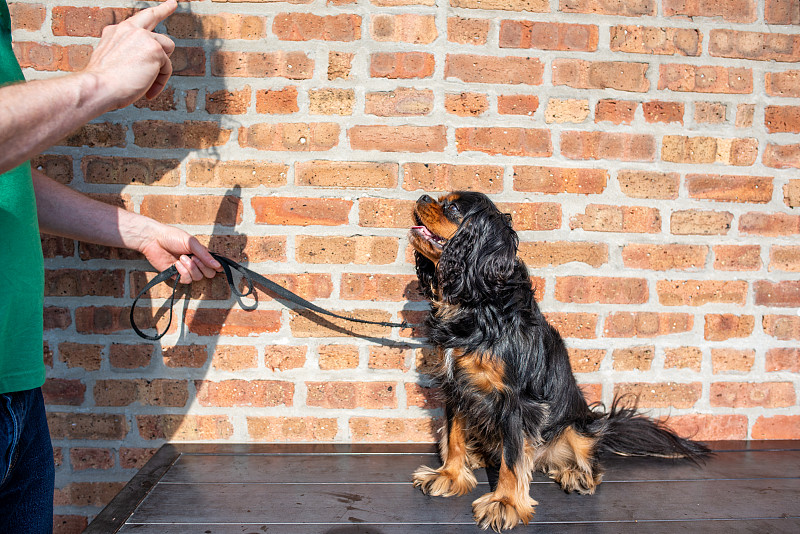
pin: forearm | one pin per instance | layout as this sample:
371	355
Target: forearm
65	212
38	114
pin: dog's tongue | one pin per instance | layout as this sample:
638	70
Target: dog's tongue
423	230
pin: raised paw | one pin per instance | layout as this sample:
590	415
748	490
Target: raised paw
583	482
444	483
498	513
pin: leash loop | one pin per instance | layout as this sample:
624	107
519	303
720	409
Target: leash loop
250	278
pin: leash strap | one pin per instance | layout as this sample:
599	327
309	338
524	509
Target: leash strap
251	278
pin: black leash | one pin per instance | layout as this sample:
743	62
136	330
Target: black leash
250	277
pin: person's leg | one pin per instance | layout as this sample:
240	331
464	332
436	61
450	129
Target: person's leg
27	472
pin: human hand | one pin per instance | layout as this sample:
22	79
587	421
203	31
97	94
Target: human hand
131	60
165	245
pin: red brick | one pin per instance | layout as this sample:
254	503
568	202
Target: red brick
260	393
783	327
88	357
791	194
700	222
574	325
191	356
280	64
769	224
730	10
782	119
221	26
701	292
782	156
338	357
401	65
538	216
247	248
405	28
398	138
56	318
500	70
100	134
291	429
331	101
228	102
705	79
215	322
390	429
615	111
135	457
307	26
63	391
737	257
130	356
591	289
55	166
250	173
646	324
586	360
710	112
390	358
43	57
82	283
431	177
380	287
548	36
130	171
517	104
54	247
234	358
69	524
604	145
352	395
361	250
749	395
721	327
654	40
781	12
649	184
666	112
337	174
683	358
744	115
467	31
299	137
385	213
339	65
188	61
466	104
194	209
620	75
307	324
628	219
697	150
184	427
662	394
785	294
566	110
87	426
86	21
277	101
784	258
427	398
189	134
776	427
664	257
728	188
707	427
555	180
82	494
301	211
786	84
754	45
634	358
401	102
732	360
609	7
545	254
28	17
529	142
783	359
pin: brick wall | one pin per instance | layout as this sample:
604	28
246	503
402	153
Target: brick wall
647	149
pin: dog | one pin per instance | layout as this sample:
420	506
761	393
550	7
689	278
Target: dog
510	399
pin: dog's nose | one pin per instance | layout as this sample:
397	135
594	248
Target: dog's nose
425	199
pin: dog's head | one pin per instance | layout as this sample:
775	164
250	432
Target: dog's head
465	247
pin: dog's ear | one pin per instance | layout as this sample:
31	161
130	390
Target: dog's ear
426	274
479	258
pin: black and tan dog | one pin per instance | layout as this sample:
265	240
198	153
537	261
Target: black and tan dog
510	398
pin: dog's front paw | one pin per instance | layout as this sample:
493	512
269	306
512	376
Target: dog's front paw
499	513
444	483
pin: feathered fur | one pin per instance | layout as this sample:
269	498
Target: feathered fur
510	398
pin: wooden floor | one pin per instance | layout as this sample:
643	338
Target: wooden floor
343	489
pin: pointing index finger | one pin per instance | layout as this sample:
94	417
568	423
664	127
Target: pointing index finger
150	17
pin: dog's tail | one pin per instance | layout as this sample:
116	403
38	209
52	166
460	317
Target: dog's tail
625	432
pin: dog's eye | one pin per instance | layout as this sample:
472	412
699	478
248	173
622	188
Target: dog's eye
452	209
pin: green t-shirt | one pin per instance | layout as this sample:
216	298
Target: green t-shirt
22	273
